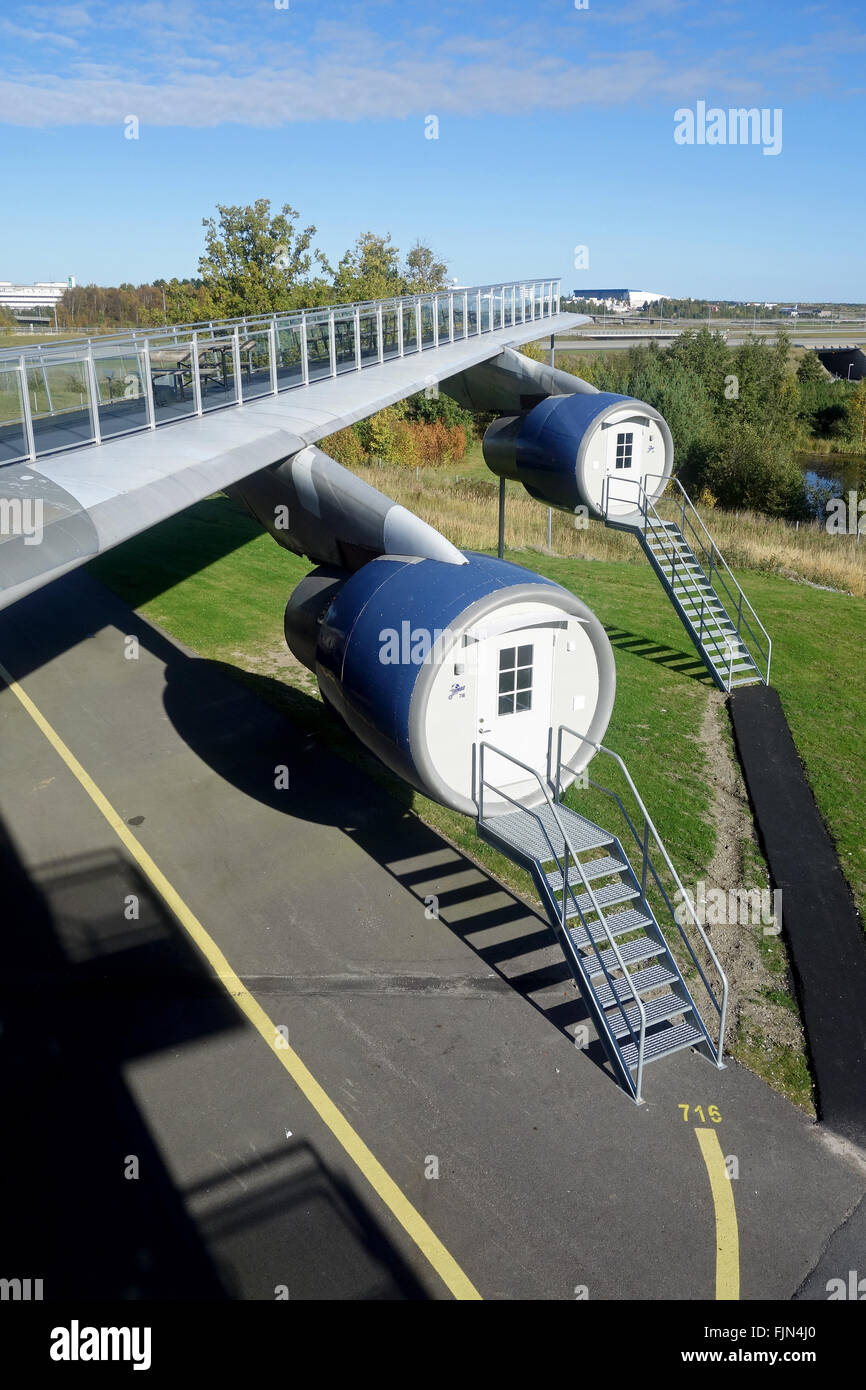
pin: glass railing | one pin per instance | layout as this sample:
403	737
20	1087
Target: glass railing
64	395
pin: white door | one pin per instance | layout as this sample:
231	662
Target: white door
514	692
623	459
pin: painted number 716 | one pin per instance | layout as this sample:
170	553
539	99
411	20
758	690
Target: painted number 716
712	1112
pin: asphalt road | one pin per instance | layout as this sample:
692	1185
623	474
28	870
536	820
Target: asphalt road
438	1043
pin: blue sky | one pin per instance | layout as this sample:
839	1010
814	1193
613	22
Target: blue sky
556	130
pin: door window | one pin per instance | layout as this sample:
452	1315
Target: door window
623	448
515	679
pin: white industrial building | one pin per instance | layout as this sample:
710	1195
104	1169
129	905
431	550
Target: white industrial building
618	300
23	299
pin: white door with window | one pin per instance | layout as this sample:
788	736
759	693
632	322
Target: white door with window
514	693
623	460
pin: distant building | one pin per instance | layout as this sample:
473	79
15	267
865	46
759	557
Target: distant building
618	300
24	299
789	311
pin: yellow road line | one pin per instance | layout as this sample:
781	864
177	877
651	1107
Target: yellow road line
411	1220
727	1232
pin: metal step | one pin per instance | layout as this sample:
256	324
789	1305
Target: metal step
660	1010
642	948
662	1043
616	924
639	982
592	868
522	831
606	896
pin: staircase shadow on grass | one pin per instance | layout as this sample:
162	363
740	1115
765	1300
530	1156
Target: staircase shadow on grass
687	664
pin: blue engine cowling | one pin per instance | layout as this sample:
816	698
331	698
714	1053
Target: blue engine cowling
549	449
399	650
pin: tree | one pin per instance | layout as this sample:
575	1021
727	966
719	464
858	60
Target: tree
811	368
369	270
423	272
256	263
857	411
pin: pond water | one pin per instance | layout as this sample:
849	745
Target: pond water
832	475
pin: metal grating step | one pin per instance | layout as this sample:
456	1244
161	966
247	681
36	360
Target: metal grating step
617	924
639	982
592	868
642	948
523	831
662	1043
660	1010
606	896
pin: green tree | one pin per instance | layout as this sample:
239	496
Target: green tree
811	368
255	262
423	272
369	270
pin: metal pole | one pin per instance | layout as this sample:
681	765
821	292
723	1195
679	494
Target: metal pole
305	361
549	525
553	349
272	355
196	379
26	413
501	550
236	358
332	346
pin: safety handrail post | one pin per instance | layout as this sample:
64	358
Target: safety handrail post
684	897
272	355
236	358
26	413
93	396
196	379
305	355
639	1040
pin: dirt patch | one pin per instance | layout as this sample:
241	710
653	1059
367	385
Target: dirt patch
764	1029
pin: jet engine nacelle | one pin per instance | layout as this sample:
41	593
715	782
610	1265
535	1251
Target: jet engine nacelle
596	450
424	660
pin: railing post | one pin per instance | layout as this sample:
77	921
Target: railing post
400	329
465	313
93	397
451	316
565	868
26	413
645	858
332	344
478	312
272	355
236	357
148	385
196	380
305	361
379	332
435	303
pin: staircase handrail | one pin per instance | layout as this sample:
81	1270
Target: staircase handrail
720	559
648	823
566	887
644	507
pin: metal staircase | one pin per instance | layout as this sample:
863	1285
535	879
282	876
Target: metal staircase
732	642
602	916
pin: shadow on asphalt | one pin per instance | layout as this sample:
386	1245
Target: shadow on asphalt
97	973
